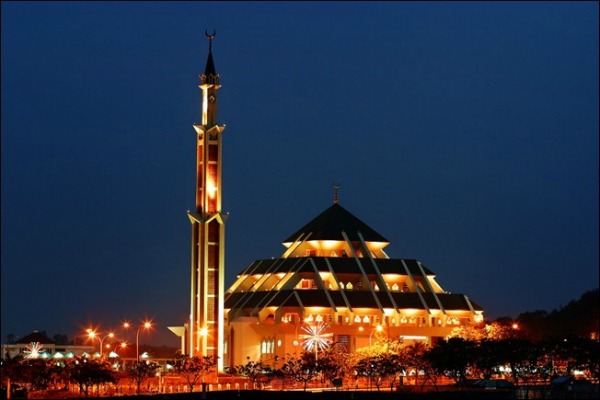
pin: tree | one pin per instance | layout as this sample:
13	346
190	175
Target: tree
139	371
87	373
193	369
61	339
253	370
302	369
32	373
334	362
380	367
487	357
451	357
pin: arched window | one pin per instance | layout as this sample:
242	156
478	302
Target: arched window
349	286
395	287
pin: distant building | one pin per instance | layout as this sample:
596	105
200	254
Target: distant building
334	275
43	346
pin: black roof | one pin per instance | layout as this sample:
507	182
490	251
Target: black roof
340	265
210	65
356	298
330	223
36	336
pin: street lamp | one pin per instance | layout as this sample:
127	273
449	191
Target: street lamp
115	347
145	325
378	328
93	335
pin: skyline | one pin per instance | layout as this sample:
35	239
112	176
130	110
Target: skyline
465	134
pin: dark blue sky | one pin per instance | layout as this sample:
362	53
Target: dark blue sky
464	133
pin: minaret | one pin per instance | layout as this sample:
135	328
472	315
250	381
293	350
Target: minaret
206	329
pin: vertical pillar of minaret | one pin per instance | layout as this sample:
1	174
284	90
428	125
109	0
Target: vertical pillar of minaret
206	328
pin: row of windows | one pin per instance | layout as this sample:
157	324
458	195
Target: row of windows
310	284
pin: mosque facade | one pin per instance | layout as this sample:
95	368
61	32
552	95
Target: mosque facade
333	278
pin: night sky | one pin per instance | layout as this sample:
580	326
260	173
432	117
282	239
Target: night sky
464	133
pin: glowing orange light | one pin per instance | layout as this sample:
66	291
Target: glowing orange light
212	189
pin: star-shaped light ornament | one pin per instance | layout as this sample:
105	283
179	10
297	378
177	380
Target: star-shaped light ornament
34	350
315	338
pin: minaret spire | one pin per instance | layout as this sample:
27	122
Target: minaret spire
210	64
336	186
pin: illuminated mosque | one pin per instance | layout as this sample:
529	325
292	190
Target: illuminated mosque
333	276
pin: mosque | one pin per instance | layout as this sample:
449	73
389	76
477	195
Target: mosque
333	280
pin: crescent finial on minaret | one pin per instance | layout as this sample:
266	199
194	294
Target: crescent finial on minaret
210	37
336	186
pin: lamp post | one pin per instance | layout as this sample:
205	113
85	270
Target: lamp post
378	328
145	325
93	335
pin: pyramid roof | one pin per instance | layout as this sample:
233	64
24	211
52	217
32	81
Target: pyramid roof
330	224
36	336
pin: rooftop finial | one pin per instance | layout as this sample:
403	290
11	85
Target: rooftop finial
210	37
336	186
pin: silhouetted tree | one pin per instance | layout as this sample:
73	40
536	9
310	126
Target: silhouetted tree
302	369
88	372
193	369
451	357
139	371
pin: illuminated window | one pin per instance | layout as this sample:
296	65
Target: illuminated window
333	254
341	285
349	286
395	287
366	319
357	319
344	342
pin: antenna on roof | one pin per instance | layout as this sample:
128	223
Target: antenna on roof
336	186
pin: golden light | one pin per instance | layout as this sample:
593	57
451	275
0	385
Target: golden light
126	325
91	333
147	325
360	329
203	331
379	328
212	189
515	326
